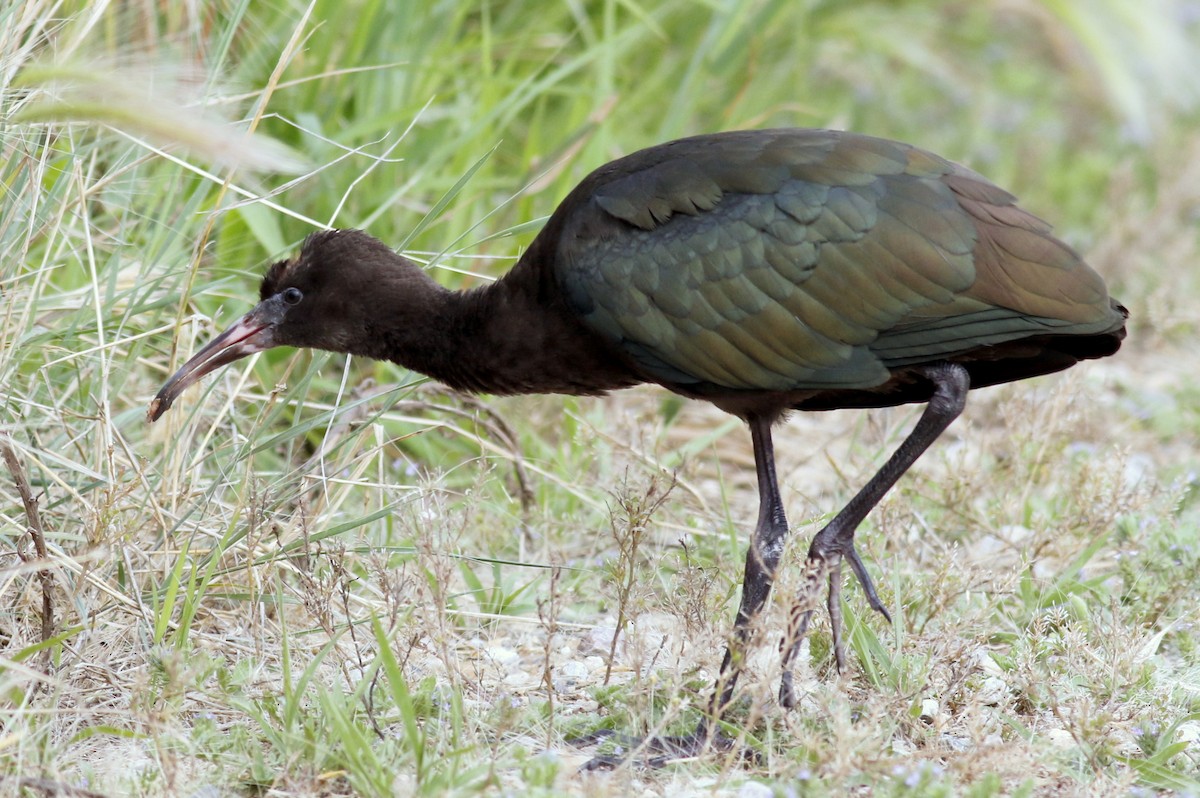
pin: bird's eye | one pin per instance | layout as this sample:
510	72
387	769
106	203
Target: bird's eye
292	296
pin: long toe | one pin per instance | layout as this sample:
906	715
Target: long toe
864	579
834	604
791	647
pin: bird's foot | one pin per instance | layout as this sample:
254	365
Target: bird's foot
654	752
821	569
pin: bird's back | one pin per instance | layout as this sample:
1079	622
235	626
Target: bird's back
819	265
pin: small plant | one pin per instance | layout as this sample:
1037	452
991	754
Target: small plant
629	524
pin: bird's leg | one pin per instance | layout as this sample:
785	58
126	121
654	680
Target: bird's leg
836	541
762	560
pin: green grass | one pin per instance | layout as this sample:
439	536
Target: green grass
327	577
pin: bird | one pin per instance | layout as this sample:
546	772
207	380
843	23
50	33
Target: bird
763	271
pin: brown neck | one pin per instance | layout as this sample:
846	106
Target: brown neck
516	336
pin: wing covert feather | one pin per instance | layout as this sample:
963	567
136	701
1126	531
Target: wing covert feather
789	260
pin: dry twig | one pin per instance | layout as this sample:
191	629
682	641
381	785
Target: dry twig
35	531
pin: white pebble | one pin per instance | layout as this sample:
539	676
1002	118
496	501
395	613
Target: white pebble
993	691
1188	732
573	669
503	656
1060	738
752	789
984	661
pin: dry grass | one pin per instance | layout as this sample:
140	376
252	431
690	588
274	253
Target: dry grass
320	577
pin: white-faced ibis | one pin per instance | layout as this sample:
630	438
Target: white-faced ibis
763	271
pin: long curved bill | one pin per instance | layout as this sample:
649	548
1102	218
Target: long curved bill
252	333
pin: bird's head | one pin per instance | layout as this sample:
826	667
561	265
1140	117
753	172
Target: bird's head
323	298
